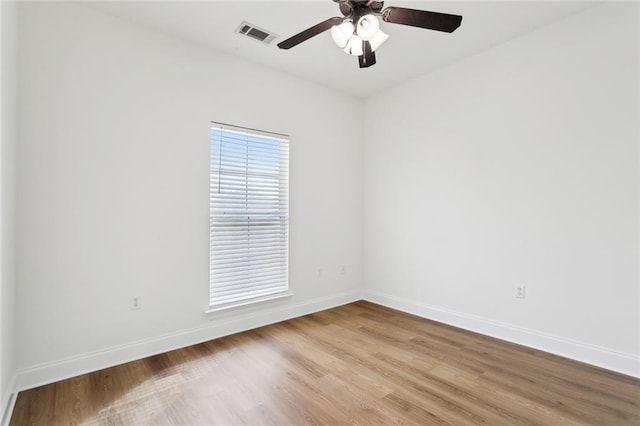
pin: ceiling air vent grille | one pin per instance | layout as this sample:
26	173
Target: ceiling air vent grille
256	33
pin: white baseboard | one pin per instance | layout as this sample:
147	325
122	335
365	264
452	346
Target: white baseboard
39	375
601	357
8	402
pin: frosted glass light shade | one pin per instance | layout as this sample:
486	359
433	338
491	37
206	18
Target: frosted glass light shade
367	27
354	47
342	33
378	39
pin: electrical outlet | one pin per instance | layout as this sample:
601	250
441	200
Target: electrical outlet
135	303
520	292
343	270
319	273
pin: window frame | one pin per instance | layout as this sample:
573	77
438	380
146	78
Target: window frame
253	278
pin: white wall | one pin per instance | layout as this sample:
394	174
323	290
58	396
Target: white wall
113	188
8	19
516	166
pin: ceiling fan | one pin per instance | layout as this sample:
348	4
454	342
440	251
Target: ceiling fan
358	32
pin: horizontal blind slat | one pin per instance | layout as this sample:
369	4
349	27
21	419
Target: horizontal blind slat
247	287
243	265
231	282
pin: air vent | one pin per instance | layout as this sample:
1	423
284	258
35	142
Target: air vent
256	33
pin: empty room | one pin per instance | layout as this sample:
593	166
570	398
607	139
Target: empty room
326	212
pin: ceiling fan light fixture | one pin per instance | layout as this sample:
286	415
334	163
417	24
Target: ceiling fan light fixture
378	40
367	27
354	46
341	34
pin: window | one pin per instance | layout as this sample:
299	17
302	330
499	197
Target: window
249	216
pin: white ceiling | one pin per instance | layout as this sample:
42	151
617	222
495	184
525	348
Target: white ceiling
409	52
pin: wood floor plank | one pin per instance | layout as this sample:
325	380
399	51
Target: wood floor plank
358	364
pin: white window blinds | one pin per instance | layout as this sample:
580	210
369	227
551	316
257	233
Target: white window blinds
249	215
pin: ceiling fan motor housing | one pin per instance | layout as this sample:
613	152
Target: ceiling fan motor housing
356	9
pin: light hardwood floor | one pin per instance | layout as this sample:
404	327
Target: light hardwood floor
355	364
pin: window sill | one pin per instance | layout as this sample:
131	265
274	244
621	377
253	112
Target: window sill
247	302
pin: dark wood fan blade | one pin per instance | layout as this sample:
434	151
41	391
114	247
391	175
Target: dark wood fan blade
309	32
368	58
422	19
